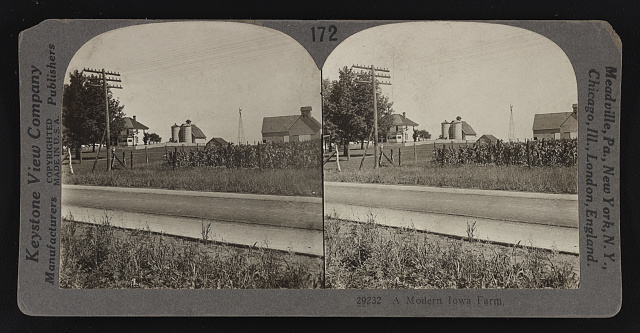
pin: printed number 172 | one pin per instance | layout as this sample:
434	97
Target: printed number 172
320	30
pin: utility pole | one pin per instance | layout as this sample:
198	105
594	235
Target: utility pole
374	82
102	81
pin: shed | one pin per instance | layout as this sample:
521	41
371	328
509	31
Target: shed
293	128
487	139
217	142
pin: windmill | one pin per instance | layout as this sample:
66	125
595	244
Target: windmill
512	127
240	128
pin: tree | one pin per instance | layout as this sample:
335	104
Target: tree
424	134
153	137
348	109
83	113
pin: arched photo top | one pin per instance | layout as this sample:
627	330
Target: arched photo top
477	71
205	71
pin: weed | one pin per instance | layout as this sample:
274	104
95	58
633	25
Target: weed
102	256
205	231
561	179
368	255
471	230
298	182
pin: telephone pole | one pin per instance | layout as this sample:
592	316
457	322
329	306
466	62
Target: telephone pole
102	81
374	82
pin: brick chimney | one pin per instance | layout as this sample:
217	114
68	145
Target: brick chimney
305	111
404	115
134	118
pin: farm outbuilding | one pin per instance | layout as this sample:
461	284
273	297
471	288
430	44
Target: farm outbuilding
457	130
217	142
187	133
487	139
558	125
399	130
132	132
294	128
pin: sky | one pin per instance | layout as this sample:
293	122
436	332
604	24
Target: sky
205	72
441	70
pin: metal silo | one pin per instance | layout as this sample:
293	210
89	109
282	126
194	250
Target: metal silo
175	133
445	129
457	130
185	130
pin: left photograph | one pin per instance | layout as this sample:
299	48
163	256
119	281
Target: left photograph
192	160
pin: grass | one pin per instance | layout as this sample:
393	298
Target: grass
102	256
300	182
491	177
368	256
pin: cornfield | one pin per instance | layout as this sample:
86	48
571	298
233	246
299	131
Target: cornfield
271	155
562	152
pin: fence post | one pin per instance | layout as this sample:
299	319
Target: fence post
175	157
146	154
529	153
338	158
415	155
71	165
124	158
132	159
400	156
259	156
391	153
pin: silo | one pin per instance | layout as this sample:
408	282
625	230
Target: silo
445	129
185	130
457	130
175	133
452	134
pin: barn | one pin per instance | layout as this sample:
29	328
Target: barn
294	128
457	130
558	125
217	142
487	139
187	133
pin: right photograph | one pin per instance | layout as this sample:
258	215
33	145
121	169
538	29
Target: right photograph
450	159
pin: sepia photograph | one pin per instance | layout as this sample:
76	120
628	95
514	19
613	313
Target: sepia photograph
450	159
320	168
192	160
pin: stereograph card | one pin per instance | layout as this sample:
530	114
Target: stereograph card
320	168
